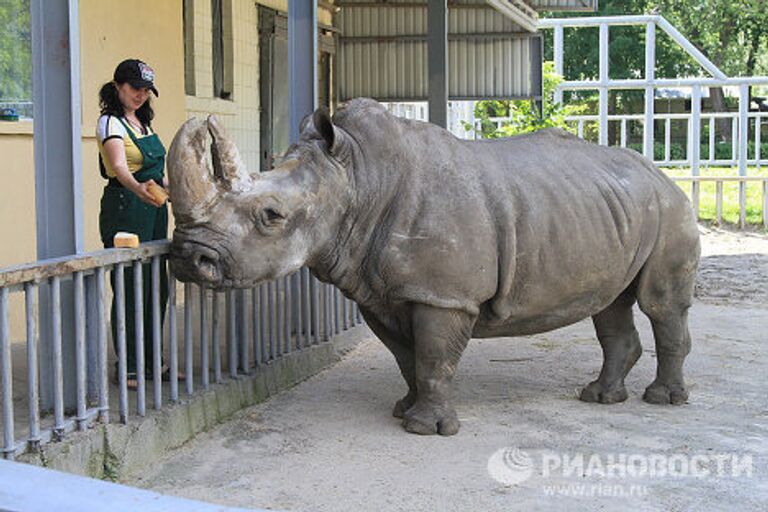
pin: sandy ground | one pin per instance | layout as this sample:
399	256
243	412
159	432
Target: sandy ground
526	442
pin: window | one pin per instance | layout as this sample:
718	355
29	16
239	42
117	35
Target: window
188	8
221	18
15	59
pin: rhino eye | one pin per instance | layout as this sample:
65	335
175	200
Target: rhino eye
271	215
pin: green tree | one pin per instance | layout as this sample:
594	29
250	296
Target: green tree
15	50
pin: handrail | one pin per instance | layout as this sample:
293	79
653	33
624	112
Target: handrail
43	269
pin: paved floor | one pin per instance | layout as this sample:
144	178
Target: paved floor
526	442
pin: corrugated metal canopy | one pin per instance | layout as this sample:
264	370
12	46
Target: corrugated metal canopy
383	51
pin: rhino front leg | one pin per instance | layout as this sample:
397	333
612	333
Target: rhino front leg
440	336
402	349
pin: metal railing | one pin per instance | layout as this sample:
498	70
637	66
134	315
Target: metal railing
254	326
719	181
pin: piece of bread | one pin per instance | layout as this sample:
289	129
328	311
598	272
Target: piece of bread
123	239
158	192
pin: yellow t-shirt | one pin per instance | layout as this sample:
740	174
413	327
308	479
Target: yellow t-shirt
110	127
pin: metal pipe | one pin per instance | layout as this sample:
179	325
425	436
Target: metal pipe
558	54
280	302
719	201
157	347
242	320
188	342
58	370
173	337
315	285
6	377
80	362
263	328
232	334
215	338
204	364
30	290
256	326
272	322
138	313
298	313
306	308
122	351
604	77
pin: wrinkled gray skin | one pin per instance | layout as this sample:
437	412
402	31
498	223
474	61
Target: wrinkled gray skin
439	240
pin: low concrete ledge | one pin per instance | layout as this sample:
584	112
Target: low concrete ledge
117	451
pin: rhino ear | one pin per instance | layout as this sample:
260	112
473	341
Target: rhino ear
324	127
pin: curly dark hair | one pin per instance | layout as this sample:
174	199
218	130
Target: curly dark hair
109	102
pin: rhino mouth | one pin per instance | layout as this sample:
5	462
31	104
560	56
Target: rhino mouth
197	262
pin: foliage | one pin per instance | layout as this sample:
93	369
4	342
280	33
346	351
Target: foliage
15	50
523	114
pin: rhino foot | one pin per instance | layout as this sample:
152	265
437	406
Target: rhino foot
596	392
403	405
426	420
662	394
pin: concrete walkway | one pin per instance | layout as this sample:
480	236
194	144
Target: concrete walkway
330	444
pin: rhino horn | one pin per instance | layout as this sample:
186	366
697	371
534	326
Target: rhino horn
192	188
227	164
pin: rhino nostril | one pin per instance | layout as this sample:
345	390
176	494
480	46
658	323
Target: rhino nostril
207	267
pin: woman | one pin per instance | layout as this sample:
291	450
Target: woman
130	155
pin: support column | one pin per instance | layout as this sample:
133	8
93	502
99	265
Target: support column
58	168
302	62
302	85
650	76
437	57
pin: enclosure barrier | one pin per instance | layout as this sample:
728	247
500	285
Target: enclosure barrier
719	180
259	325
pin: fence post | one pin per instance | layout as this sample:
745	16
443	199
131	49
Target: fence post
558	49
695	144
650	76
743	139
604	73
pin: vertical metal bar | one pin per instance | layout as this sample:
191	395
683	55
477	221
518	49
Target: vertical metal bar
30	289
306	308
757	140
558	50
280	306
215	336
103	371
298	302
650	77
232	333
623	132
337	309
263	320
157	350
719	201
122	351
272	291
58	371
256	326
80	362
242	329
188	340
328	311
288	318
711	139
173	338
437	61
580	129
695	144
138	313
735	139
743	140
667	136
344	313
6	377
604	74
204	364
765	203
316	309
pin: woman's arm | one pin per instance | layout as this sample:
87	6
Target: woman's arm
114	153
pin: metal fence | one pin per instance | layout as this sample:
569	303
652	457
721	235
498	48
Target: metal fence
220	335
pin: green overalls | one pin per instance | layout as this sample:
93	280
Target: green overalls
122	210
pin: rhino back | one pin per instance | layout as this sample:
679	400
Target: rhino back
530	233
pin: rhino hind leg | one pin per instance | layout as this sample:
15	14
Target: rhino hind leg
665	293
621	346
440	337
402	349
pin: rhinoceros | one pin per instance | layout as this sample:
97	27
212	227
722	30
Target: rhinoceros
440	240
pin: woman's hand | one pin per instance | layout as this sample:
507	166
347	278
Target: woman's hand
141	190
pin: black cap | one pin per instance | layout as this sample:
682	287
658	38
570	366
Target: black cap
136	73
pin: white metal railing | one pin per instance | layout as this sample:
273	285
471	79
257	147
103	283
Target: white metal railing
260	325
